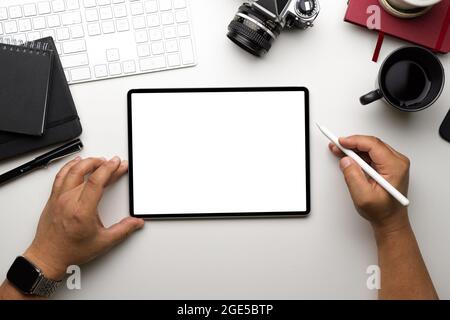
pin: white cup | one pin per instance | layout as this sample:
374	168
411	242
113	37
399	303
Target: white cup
412	4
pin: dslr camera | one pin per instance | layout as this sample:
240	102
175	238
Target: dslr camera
258	23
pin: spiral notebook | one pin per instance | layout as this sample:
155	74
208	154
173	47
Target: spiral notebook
62	122
24	85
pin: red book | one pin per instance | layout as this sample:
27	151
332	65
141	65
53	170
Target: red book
430	30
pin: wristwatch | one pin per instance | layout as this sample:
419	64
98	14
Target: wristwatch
29	279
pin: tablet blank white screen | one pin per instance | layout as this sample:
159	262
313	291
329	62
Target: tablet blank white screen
218	152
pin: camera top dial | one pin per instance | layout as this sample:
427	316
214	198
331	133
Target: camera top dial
307	9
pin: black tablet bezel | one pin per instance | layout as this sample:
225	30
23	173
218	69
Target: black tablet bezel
227	214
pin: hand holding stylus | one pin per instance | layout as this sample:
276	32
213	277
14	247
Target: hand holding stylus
404	274
371	172
372	201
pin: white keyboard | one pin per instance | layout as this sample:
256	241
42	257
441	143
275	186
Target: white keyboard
101	39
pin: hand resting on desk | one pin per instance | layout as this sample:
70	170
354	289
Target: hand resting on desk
70	231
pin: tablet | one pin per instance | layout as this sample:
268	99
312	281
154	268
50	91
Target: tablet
223	152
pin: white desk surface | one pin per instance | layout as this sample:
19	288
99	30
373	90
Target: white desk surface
322	256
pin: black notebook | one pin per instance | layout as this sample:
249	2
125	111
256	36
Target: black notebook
24	83
62	122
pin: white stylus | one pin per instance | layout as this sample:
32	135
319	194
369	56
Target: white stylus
367	168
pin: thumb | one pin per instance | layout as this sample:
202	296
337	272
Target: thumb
121	230
356	180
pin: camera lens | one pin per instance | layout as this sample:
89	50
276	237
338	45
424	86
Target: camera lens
253	31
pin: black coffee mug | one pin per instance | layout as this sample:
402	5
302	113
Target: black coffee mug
410	79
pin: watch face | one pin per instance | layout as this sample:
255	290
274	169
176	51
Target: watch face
23	274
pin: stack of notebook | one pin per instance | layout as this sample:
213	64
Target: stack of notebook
36	107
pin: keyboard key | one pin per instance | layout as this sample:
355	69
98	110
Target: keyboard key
6	39
71	18
101	71
181	16
106	13
89	3
165	5
20	38
48	33
75	60
136	8
151	6
91	15
143	50
108	27
67	74
179	4
115	69
10	27
183	30
118	1
112	55
38	23
74	46
44	7
187	52
157	47
77	31
3	14
15	12
58	5
139	22
171	46
152	63
73	4
1	29
170	32
129	66
166	18
62	34
53	21
29	10
103	2
80	74
141	36
153	20
173	60
120	11
94	29
122	25
25	25
155	34
33	36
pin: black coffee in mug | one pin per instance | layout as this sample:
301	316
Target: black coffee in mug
410	79
407	84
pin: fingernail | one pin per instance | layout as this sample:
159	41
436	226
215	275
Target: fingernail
77	158
138	223
115	160
345	162
103	158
